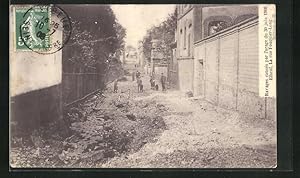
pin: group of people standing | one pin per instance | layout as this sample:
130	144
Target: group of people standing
137	75
155	86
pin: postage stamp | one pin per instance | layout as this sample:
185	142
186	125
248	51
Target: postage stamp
43	29
34	24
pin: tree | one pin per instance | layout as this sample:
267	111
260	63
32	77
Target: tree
97	38
164	33
82	53
121	34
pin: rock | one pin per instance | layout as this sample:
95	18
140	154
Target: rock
106	117
160	105
189	94
131	117
96	109
119	105
109	154
146	105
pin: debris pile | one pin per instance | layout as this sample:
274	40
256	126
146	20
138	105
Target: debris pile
103	126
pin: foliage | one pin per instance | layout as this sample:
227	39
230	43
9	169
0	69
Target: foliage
83	53
164	33
95	41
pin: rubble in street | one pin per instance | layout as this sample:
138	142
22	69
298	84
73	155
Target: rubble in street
152	129
104	126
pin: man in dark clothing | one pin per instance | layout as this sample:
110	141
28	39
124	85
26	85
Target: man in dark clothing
140	83
138	74
116	86
133	76
152	82
163	80
141	86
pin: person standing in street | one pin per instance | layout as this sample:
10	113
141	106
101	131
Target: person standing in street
133	76
116	86
139	82
163	80
138	74
141	86
152	82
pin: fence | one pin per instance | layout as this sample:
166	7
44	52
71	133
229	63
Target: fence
78	85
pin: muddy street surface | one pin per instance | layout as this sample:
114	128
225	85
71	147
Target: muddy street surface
153	129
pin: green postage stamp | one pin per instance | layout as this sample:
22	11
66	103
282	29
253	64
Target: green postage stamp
32	25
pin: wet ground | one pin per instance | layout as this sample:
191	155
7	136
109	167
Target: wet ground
154	129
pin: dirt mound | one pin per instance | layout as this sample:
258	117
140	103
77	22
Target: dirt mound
103	126
107	134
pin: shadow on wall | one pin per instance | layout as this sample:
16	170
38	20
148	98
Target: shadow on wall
35	109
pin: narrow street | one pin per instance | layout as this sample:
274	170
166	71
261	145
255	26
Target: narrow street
155	129
199	134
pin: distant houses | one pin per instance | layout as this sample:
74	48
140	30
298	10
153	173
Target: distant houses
131	56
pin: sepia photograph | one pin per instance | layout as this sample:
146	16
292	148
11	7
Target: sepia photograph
142	86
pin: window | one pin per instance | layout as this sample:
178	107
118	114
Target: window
189	45
216	26
184	38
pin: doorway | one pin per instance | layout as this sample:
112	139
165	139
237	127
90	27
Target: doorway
200	78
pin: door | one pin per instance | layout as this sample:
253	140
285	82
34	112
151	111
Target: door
200	77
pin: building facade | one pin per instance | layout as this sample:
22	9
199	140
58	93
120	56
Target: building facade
217	54
195	22
173	67
158	60
184	50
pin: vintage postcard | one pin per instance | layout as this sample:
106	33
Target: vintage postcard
143	86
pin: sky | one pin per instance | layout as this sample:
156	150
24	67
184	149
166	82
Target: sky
136	19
